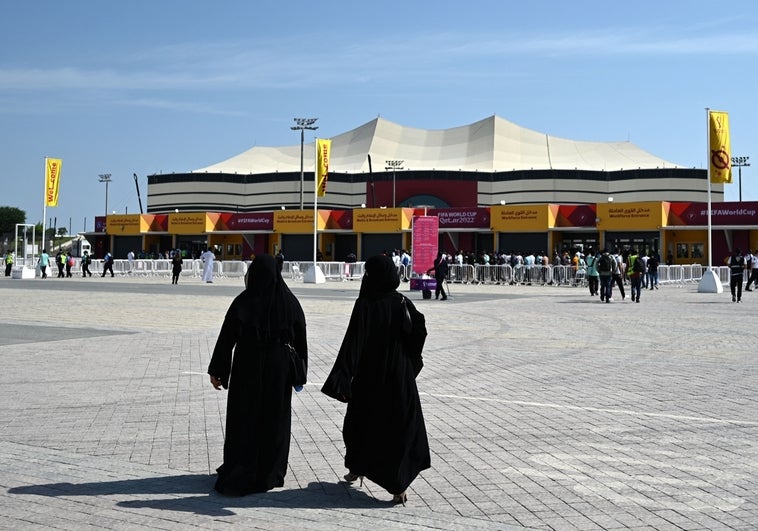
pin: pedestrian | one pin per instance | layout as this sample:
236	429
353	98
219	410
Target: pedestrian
176	266
606	266
440	270
130	260
207	257
69	263
9	258
251	360
44	261
736	272
375	374
108	264
593	277
636	274
752	265
86	261
619	272
60	261
652	270
645	277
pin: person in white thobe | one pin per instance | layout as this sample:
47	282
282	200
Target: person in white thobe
207	257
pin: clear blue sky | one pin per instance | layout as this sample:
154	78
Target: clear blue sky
150	86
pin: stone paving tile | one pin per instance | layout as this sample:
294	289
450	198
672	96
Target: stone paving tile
545	409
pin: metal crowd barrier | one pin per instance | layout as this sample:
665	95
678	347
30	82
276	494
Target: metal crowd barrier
340	271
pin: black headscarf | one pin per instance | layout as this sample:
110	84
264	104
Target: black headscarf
268	298
379	278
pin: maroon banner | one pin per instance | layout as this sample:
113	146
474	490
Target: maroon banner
425	237
462	218
251	221
696	214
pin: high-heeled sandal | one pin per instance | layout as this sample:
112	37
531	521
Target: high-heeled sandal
351	478
400	498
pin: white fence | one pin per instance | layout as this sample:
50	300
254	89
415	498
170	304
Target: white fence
568	275
343	271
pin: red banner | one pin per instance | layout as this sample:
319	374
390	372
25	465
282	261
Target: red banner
425	237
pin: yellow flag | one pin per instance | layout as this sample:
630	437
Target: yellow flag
720	151
52	181
323	146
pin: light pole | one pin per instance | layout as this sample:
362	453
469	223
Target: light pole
105	178
393	165
740	162
302	125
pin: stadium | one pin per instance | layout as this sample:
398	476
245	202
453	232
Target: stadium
494	186
489	162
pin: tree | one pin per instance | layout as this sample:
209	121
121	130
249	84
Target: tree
62	231
9	217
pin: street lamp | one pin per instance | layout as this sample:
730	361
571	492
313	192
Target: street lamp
105	178
393	165
302	125
739	162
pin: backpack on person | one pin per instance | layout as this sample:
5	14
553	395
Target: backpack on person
638	266
604	264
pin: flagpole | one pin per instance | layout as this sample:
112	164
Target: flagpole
708	143
314	275
315	210
44	209
710	281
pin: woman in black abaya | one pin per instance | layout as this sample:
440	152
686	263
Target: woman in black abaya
249	359
375	373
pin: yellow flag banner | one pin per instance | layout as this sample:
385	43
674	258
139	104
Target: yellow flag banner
720	151
52	181
323	146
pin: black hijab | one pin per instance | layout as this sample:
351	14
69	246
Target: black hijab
268	299
380	277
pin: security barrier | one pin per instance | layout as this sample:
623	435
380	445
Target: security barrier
341	271
233	269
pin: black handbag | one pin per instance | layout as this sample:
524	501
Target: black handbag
298	368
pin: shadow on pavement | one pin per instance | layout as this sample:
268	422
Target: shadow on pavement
317	495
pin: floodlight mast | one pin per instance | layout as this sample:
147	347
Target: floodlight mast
303	124
393	165
105	178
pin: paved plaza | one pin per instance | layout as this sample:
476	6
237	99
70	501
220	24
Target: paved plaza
545	408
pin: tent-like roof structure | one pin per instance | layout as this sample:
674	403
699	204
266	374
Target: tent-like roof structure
489	145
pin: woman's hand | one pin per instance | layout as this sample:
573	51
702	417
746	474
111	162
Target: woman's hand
216	383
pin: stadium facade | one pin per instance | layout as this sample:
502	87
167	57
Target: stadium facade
494	186
489	162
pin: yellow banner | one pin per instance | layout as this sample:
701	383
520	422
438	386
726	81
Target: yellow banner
52	181
125	224
187	223
720	155
378	220
528	218
323	146
645	215
298	221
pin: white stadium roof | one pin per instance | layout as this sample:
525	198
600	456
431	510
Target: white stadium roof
489	145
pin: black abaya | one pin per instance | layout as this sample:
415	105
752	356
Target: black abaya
250	357
375	373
